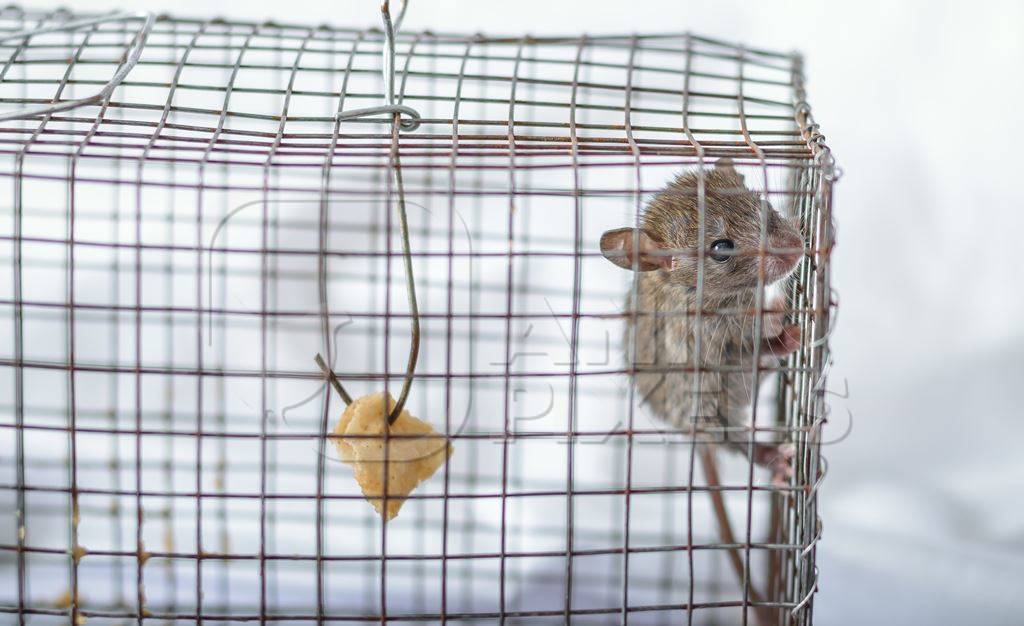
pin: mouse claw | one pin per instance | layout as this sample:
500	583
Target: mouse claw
784	343
778	459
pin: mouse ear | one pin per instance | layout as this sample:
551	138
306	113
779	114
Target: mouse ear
631	248
726	166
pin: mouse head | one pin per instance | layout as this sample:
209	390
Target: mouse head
667	239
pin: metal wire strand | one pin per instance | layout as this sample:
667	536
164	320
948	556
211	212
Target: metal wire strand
390	30
132	58
410	287
332	378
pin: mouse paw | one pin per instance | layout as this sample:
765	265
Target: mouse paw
774	315
784	343
778	459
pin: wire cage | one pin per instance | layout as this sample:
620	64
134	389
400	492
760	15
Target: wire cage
194	209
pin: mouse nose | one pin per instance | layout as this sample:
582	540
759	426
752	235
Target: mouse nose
789	249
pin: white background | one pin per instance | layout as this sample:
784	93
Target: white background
920	101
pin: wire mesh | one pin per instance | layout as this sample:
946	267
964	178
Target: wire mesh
179	247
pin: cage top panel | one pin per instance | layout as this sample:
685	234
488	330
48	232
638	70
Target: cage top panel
269	94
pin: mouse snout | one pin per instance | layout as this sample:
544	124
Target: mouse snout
787	250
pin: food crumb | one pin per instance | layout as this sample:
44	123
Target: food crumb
410	460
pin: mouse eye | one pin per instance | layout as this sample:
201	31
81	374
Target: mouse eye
720	250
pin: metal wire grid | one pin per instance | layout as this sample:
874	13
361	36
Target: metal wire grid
157	374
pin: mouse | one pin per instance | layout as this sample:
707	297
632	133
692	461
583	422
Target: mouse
661	329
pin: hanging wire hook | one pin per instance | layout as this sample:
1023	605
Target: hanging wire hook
388	67
390	31
410	124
